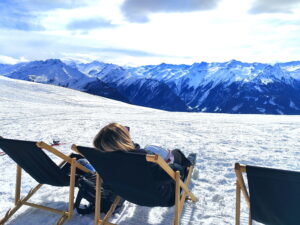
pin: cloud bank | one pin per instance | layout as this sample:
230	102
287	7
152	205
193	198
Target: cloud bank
139	10
14	16
90	24
25	14
273	6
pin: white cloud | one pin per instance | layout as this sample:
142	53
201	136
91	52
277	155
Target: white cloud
139	10
10	60
274	6
225	33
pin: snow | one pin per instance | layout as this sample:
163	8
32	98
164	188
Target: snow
258	88
266	81
38	112
52	71
292	105
92	67
237	107
272	102
66	72
201	74
279	111
262	110
292	68
217	109
203	109
39	79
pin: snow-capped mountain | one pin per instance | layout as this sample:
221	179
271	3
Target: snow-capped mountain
100	88
138	90
54	71
151	93
9	68
4	68
229	87
292	67
92	68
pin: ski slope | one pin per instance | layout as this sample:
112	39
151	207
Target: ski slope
39	112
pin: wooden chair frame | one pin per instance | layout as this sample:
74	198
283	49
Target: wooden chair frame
241	187
180	198
24	201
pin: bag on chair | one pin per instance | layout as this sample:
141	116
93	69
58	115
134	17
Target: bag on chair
87	191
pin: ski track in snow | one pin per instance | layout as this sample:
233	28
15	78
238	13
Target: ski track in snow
38	112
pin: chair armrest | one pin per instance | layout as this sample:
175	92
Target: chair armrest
59	154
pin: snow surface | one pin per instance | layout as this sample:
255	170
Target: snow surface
39	112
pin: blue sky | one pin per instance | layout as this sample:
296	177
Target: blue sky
139	32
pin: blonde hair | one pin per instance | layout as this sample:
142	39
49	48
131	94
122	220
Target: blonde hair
113	137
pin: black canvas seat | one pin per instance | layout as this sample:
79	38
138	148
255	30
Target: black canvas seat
274	194
35	162
133	186
30	156
137	177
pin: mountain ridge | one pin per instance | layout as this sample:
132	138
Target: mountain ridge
227	87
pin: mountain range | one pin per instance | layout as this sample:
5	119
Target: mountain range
229	87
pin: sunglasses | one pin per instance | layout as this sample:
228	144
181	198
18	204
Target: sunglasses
128	128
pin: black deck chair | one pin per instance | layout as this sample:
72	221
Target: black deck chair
274	195
30	157
129	175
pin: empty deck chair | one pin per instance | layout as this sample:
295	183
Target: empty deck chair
129	175
30	157
274	195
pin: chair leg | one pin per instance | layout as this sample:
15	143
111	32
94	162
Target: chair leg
177	198
238	204
18	184
62	219
241	187
111	210
20	203
72	187
98	199
184	194
250	218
